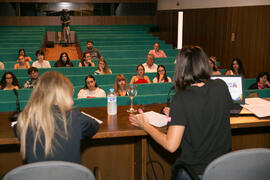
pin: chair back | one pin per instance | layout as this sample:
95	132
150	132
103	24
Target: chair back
248	164
50	170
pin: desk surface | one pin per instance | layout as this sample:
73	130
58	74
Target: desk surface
119	126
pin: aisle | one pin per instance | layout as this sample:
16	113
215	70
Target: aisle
54	53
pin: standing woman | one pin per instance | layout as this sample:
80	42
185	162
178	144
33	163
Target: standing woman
22	53
9	81
161	76
199	115
140	78
236	68
102	67
86	60
63	61
120	85
49	128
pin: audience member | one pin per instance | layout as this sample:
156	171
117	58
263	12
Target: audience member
22	53
86	60
140	78
48	127
236	68
65	21
2	66
149	65
199	120
94	52
120	85
102	67
262	81
91	89
157	52
21	63
41	63
63	61
213	66
161	76
9	81
33	74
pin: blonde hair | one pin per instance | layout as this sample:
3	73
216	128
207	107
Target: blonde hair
116	85
53	89
106	69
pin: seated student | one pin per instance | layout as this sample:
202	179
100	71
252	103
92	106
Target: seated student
120	85
9	81
22	53
91	89
157	52
2	66
150	65
63	61
86	60
213	66
161	76
41	63
32	82
262	81
21	63
236	68
102	67
140	78
94	52
52	130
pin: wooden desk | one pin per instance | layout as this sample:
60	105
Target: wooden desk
119	150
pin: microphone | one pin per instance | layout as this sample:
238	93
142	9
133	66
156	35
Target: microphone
168	97
14	116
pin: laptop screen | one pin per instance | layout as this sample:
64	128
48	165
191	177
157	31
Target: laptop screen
236	87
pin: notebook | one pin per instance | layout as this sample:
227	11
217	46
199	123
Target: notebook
236	87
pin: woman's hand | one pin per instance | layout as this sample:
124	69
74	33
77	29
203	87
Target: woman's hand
138	120
166	111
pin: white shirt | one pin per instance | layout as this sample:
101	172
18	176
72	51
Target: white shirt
86	93
155	80
44	64
150	70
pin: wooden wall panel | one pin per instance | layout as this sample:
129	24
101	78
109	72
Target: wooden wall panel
212	29
82	1
76	20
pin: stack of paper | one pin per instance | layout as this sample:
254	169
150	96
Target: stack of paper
156	119
259	106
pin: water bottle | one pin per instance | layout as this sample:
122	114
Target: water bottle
111	103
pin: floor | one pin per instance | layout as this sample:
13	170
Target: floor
54	53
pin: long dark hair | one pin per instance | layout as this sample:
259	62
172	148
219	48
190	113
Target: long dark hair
240	69
213	60
165	75
68	60
83	58
261	75
86	77
191	67
3	82
23	52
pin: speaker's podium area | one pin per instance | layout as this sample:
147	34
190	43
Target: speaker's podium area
54	37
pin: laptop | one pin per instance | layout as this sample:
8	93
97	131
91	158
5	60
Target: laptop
236	87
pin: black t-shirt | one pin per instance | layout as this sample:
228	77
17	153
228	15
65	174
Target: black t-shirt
205	113
79	126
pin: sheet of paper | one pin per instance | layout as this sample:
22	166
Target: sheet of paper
156	119
99	121
259	106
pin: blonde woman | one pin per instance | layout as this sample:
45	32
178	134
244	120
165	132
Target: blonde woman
49	128
102	67
120	85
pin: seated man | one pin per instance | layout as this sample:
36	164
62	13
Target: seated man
94	52
32	82
149	66
157	52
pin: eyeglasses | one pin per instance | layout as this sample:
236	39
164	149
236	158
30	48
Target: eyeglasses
161	70
101	63
87	56
88	82
121	80
8	77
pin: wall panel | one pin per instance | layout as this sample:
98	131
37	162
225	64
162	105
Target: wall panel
212	29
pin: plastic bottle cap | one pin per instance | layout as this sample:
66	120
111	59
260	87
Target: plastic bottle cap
111	90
